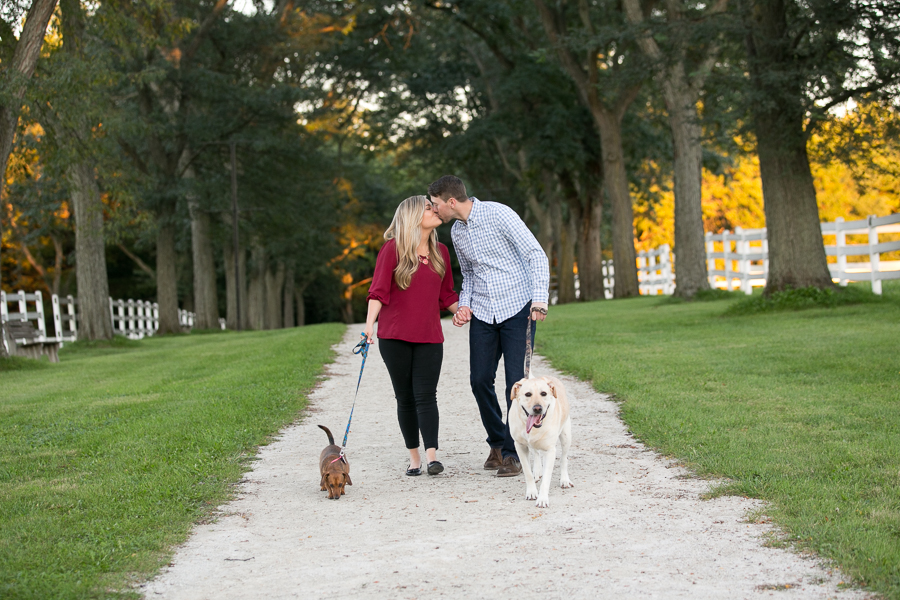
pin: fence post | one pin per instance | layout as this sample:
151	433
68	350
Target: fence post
874	257
73	327
710	262
726	252
4	314
742	248
57	317
39	309
840	242
23	306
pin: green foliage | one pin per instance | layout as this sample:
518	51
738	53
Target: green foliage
803	298
109	457
795	408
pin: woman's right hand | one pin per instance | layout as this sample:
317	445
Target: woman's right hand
370	332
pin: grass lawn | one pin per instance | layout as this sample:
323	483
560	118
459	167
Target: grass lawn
107	458
800	408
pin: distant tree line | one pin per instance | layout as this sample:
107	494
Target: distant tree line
123	114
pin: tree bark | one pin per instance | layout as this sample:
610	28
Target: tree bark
166	273
590	257
564	235
616	184
90	254
274	291
301	307
796	250
206	302
256	293
231	316
288	302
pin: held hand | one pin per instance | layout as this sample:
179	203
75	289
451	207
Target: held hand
538	311
369	332
462	316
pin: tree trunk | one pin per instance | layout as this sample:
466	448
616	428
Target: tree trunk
90	253
565	253
231	316
166	273
256	293
288	303
796	250
590	257
274	291
206	302
616	183
690	248
24	61
301	307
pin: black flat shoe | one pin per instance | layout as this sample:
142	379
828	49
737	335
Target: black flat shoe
414	472
435	467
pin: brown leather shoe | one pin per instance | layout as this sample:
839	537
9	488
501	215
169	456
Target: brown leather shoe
510	468
494	460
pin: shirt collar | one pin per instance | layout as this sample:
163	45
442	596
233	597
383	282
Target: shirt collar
473	213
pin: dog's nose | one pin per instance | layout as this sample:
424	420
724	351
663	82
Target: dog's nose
538	409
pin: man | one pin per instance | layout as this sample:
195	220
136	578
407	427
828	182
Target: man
506	277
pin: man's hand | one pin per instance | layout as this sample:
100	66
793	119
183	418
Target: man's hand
538	311
463	315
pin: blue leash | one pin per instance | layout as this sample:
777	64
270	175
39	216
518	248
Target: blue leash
361	348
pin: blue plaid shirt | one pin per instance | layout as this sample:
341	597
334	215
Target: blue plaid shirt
503	265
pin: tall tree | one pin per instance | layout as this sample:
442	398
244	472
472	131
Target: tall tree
24	54
606	57
805	58
681	68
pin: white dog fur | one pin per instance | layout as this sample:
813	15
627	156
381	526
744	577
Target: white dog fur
535	432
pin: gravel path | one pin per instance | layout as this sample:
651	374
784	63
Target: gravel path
633	526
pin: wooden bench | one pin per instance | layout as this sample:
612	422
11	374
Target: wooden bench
20	337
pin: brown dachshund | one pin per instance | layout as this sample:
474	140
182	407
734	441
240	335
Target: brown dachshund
335	473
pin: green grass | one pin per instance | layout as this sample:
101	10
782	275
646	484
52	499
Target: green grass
107	458
799	408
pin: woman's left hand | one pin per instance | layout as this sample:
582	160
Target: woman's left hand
369	332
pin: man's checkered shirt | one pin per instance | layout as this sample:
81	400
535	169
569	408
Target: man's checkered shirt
503	265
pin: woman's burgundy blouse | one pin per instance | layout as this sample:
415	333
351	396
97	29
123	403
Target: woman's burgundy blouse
413	314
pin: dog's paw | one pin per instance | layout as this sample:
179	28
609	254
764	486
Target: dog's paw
531	494
565	483
543	502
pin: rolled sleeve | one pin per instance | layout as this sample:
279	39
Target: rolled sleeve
380	289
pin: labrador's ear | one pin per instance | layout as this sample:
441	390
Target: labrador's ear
551	386
347	479
515	390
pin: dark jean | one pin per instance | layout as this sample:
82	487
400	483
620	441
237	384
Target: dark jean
487	343
415	370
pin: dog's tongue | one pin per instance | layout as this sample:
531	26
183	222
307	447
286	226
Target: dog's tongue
529	423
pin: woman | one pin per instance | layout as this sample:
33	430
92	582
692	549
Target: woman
412	283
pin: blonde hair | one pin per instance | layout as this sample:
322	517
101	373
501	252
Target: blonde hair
406	231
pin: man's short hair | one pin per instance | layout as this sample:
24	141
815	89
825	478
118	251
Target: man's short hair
448	186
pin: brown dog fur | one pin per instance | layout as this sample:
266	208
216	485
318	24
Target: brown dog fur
335	473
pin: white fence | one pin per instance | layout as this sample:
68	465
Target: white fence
740	260
134	319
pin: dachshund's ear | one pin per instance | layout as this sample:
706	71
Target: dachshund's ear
515	390
347	479
551	386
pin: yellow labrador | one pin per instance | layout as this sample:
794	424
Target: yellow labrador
538	416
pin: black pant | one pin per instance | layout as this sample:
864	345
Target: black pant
487	343
415	370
